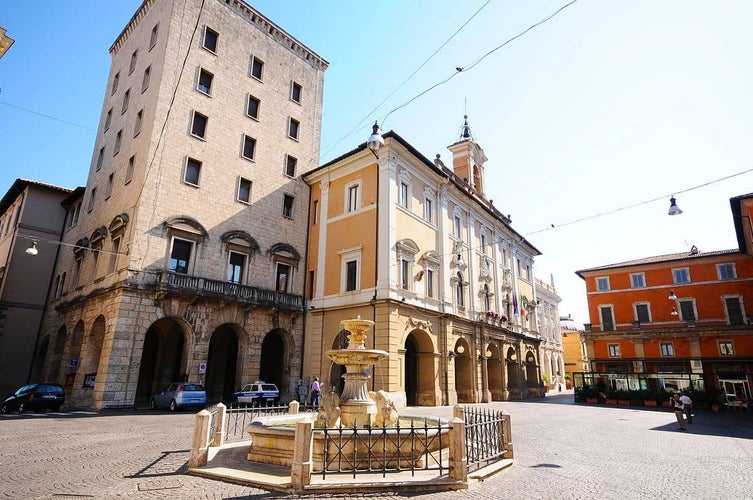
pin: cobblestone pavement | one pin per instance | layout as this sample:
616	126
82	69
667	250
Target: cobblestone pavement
562	451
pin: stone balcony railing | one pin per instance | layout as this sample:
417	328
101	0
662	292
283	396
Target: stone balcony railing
223	290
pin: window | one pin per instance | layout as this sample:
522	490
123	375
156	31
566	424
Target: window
126	98
205	82
602	284
118	140
129	169
100	157
607	319
681	275
404	195
283	277
108	190
210	39
132	66
487	299
315	212
726	271
257	68
637	280
115	81
290	164
193	169
145	80
113	265
726	348
249	147
459	295
430	275
528	272
287	206
293	127
351	275
199	125
139	120
244	190
428	210
252	109
405	273
614	351
95	263
295	92
642	313
456	226
92	198
77	270
734	310
687	309
353	201
482	239
517	266
236	265
62	284
667	349
180	256
153	38
108	119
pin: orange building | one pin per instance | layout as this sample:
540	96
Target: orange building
676	321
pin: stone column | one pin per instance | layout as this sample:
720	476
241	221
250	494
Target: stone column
458	459
220	425
199	450
300	471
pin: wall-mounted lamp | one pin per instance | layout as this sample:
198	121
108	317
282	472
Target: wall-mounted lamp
402	300
375	140
459	261
673	208
674	311
451	355
480	358
32	250
672	295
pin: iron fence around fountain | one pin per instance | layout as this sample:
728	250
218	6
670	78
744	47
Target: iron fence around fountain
383	450
485	441
240	417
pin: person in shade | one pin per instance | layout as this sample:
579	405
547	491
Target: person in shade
688	404
679	411
315	392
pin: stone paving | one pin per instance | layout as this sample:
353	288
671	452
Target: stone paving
562	451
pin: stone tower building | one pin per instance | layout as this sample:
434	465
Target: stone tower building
182	259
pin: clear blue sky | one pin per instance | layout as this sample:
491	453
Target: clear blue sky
606	105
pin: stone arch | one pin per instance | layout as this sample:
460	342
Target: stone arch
39	357
222	362
275	353
419	369
163	357
70	361
54	357
465	387
336	371
495	372
186	224
90	360
513	373
532	376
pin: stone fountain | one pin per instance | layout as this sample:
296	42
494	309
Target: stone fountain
357	408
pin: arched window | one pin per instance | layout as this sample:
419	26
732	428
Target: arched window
459	290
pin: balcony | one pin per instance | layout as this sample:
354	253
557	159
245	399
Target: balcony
230	292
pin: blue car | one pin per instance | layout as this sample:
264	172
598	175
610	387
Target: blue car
257	394
179	395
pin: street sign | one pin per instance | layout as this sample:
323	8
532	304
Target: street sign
73	363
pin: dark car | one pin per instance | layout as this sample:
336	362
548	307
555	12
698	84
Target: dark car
257	393
179	395
44	396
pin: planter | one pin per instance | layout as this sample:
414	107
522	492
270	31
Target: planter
649	402
592	400
611	401
666	404
623	402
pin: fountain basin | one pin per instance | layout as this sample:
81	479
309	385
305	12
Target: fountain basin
273	442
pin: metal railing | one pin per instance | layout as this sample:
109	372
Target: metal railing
387	449
485	440
239	418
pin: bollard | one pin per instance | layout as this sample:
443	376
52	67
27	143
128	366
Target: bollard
199	449
293	407
458	458
220	424
300	471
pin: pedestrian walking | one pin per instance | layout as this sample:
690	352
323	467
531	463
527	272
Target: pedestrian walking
688	405
679	408
315	391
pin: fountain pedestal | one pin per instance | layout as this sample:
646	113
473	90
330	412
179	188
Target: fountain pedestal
357	409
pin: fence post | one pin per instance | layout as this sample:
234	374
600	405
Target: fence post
220	424
293	407
199	449
458	412
300	471
458	459
506	432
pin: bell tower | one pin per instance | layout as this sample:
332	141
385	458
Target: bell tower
468	159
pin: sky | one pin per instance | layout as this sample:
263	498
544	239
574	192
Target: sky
590	121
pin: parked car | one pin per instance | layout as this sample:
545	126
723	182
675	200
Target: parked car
45	396
258	393
179	395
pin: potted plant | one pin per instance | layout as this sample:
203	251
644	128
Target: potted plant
591	394
545	377
568	381
611	397
665	398
649	398
623	397
714	397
